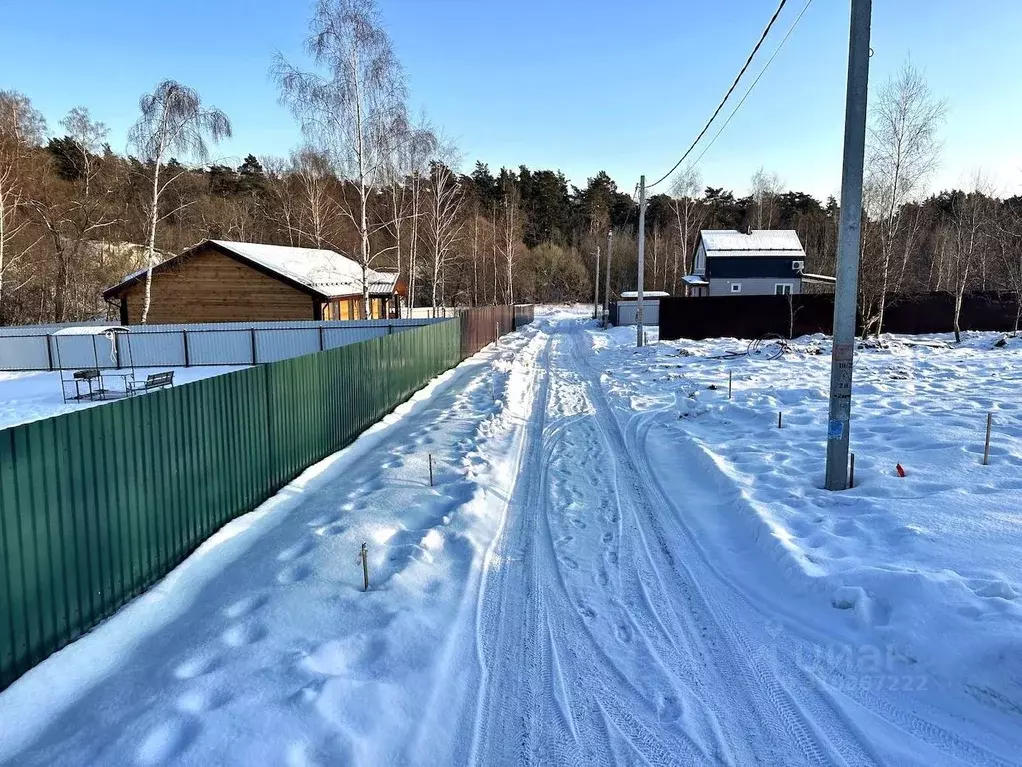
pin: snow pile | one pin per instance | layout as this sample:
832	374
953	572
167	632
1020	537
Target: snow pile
926	565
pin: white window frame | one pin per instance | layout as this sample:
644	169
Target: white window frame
798	265
788	288
736	287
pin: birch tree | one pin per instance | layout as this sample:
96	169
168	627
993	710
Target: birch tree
683	193
444	221
413	145
511	230
970	218
173	122
903	151
352	110
21	129
766	186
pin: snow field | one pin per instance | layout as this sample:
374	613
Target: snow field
616	565
920	571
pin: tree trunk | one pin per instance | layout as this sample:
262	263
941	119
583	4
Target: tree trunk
958	312
150	249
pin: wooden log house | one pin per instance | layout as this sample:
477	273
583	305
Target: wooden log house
220	281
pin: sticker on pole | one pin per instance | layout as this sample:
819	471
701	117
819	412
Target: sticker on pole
835	429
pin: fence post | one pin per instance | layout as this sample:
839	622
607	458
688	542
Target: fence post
95	352
184	341
252	331
321	338
49	352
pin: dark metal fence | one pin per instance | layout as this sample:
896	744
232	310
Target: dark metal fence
524	314
757	316
484	325
98	504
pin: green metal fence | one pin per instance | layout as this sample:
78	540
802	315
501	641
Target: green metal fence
98	504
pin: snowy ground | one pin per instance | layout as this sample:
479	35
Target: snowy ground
616	565
30	396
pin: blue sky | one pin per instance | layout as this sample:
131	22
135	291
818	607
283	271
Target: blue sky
580	85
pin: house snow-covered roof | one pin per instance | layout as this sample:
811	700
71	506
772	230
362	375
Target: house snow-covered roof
758	242
324	270
325	273
645	294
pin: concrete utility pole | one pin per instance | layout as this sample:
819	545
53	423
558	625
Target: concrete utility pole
848	248
606	288
596	287
642	260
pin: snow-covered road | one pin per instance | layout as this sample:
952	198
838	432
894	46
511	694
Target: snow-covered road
577	588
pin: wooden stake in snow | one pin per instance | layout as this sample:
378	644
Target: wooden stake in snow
851	471
431	470
986	446
729	384
364	556
778	419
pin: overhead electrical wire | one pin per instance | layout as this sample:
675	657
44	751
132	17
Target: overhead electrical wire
761	73
727	95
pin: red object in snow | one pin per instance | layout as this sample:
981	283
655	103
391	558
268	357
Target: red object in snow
901	471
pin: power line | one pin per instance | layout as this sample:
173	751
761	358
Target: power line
731	90
761	73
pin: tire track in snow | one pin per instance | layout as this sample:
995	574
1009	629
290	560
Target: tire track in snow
548	654
786	722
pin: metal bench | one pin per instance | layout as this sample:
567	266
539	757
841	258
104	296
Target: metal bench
152	381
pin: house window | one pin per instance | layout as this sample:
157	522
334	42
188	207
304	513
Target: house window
782	289
798	266
736	287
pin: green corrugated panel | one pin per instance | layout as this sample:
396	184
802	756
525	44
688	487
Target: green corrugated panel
97	504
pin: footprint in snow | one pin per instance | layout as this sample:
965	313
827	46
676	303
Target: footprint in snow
294	574
197	665
167	741
295	551
199	701
242	634
668	709
623	632
245	606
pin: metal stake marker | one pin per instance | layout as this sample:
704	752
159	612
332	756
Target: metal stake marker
848	247
431	470
364	556
986	446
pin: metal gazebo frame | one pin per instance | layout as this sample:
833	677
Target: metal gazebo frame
92	377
